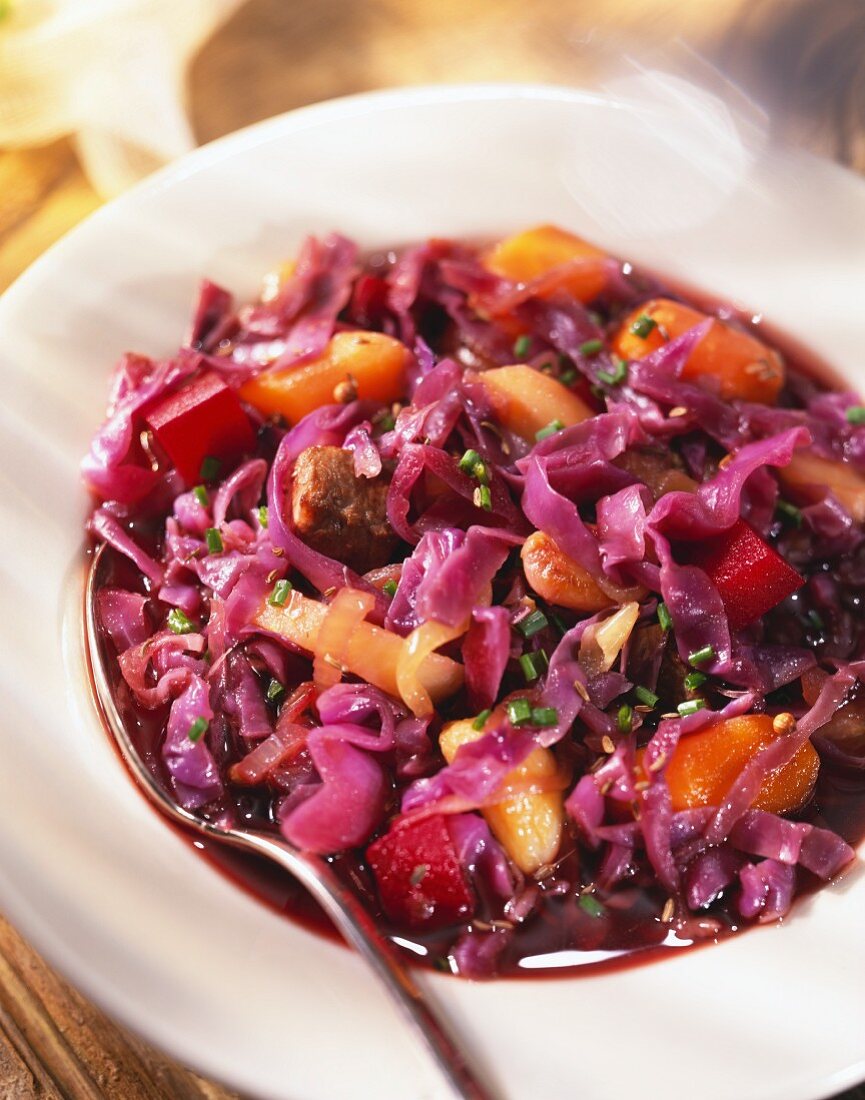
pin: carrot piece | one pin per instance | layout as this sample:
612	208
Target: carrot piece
554	255
527	824
371	652
705	765
374	362
525	400
557	578
744	365
809	475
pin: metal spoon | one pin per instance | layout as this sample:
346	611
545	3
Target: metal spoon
341	905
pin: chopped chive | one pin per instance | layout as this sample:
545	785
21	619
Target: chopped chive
200	494
532	665
275	691
559	623
690	706
521	346
597	392
481	719
615	376
482	473
468	462
816	620
625	718
694	680
214	540
519	711
263	517
389	588
197	729
700	656
210	468
789	511
387	422
643	325
545	717
419	874
533	624
855	414
590	904
483	498
664	617
568	376
646	697
279	594
591	347
178	622
551	428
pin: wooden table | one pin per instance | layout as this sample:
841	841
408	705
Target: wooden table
802	58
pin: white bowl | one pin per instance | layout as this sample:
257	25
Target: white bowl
123	905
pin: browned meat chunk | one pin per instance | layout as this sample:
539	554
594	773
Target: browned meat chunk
339	514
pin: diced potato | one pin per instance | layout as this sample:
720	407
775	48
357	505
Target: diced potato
526	400
371	653
744	365
809	475
372	363
557	578
549	251
705	765
528	826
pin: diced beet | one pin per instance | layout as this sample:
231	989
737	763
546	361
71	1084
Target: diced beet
202	420
420	880
751	577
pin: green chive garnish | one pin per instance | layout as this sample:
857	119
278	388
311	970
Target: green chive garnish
855	414
519	711
389	588
789	511
200	494
483	498
545	717
532	665
694	680
275	691
210	468
481	719
816	620
664	617
643	325
625	718
646	697
482	473
197	729
263	517
214	540
590	904
551	428
690	706
568	377
615	376
521	346
532	624
387	423
591	347
701	656
468	462
279	594
178	622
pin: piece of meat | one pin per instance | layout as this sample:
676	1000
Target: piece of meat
339	514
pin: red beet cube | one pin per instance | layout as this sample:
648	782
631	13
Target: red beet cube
202	420
751	577
420	880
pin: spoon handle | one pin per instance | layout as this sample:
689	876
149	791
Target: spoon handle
359	929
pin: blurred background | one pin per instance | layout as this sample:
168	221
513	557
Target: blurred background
95	94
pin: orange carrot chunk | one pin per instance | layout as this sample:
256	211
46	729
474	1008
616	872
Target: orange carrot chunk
706	764
373	366
562	260
527	401
744	365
